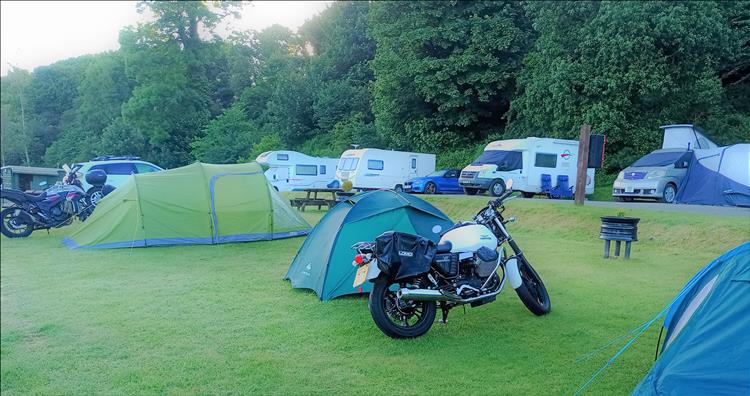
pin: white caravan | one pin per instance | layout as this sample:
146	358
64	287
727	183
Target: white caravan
293	171
374	168
524	161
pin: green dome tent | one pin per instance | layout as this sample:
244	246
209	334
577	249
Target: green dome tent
195	204
324	262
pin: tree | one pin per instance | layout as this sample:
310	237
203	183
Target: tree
268	142
172	99
14	131
121	137
101	93
625	68
227	139
445	72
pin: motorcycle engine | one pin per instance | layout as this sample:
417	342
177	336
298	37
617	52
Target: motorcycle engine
57	211
473	274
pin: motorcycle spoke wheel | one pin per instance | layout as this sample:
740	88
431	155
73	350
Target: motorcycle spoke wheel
405	314
532	291
533	284
399	318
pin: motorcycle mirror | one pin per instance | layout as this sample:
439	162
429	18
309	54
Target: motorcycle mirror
509	184
66	168
42	184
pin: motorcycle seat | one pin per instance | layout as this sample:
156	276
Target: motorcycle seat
18	195
35	197
444	247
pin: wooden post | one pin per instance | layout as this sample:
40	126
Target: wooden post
583	161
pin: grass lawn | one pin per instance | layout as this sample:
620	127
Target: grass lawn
219	319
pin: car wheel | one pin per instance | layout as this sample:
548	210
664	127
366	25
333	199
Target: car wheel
670	193
497	188
470	191
430	188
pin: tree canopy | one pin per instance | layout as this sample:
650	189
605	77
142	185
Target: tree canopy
440	77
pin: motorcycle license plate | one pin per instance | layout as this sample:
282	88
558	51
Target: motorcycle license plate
361	276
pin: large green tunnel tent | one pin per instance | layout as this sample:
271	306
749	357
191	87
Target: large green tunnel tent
194	204
324	262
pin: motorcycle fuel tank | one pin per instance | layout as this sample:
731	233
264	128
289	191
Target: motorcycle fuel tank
470	238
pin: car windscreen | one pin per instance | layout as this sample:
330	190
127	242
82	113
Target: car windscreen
658	159
505	160
439	173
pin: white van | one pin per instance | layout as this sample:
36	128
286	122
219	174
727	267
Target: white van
293	171
524	161
374	168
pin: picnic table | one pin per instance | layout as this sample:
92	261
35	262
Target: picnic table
312	198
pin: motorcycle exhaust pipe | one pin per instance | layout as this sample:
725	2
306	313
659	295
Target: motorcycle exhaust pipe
424	295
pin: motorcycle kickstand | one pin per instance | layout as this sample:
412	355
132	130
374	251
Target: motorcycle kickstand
444	308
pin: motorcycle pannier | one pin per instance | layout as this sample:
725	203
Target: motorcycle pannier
402	255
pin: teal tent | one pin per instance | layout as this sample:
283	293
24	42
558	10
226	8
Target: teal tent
706	349
324	262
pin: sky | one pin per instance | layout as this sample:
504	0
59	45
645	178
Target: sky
37	33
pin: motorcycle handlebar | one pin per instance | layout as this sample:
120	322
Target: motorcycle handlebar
499	200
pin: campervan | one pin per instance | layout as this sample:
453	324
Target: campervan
293	171
525	161
375	169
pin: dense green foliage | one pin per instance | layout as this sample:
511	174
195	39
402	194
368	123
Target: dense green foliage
442	77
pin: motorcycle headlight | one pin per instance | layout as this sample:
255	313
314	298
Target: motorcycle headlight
656	174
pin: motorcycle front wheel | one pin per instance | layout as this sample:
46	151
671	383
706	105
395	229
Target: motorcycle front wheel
16	223
397	318
532	291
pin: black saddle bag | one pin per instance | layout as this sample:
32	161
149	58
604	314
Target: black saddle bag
402	256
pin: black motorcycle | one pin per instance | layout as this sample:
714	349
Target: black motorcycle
57	206
412	276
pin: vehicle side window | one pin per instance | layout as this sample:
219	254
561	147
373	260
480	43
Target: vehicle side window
375	164
683	162
120	168
414	163
282	157
451	174
306	170
145	168
322	170
545	160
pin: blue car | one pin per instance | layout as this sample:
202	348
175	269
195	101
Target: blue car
442	181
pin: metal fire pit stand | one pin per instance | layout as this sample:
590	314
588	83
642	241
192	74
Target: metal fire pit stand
619	229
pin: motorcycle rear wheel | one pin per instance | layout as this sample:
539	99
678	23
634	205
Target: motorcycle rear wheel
532	291
397	318
16	223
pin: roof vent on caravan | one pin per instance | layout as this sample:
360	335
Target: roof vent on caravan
685	136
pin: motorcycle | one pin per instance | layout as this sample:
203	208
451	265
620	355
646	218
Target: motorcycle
57	206
412	276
